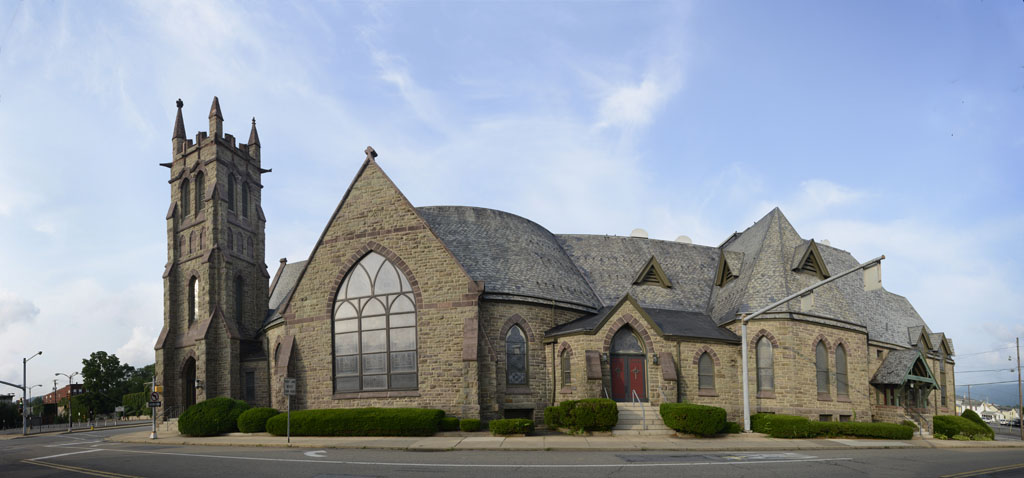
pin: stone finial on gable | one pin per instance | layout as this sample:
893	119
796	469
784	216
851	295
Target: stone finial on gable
370	153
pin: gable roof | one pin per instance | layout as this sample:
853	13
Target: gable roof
651	274
610	264
668	322
513	256
897	367
807	258
284	283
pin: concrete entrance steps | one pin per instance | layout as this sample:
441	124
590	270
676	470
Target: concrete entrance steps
633	417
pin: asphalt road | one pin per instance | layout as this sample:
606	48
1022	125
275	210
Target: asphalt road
87	454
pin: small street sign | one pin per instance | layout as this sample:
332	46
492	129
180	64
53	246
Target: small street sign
119	409
154	397
289	386
154	404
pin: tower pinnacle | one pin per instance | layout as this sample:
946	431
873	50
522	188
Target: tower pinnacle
179	123
216	119
254	137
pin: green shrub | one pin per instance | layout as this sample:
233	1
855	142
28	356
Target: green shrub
788	426
254	420
469	425
909	423
889	431
970	415
553	417
699	420
589	414
952	425
211	417
732	427
359	422
758	422
448	424
511	426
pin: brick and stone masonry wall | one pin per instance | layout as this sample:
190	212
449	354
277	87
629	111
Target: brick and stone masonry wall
376	216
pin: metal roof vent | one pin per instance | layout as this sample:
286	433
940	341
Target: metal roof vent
684	239
826	242
638	233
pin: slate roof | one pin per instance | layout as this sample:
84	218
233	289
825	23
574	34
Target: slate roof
510	254
894	368
285	282
611	264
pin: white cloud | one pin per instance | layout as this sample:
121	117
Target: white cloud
633	105
814	199
14	309
138	350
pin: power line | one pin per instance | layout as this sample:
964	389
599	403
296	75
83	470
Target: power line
986	383
985	352
992	370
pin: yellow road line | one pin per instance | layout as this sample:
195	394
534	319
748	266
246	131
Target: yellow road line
996	469
84	471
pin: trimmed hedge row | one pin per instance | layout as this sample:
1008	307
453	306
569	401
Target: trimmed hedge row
469	425
589	414
254	420
699	420
211	417
790	426
972	416
511	426
952	425
359	422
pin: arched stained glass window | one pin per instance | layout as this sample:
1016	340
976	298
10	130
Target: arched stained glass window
626	342
566	368
821	365
842	382
375	329
705	372
515	356
765	366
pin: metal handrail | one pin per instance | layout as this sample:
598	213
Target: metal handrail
606	395
643	409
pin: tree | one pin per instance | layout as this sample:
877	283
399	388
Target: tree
141	378
105	380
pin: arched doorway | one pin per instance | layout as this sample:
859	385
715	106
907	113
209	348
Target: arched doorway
188	384
628	366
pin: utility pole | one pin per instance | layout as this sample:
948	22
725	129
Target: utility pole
1020	403
24	392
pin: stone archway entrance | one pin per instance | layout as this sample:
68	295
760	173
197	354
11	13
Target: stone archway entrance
188	384
628	364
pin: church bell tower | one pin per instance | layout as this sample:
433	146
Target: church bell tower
215	279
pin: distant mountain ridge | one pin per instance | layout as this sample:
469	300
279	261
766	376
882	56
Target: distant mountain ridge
1003	394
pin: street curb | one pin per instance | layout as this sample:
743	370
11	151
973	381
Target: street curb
775	446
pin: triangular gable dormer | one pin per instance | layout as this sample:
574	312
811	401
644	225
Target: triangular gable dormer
651	274
725	273
808	259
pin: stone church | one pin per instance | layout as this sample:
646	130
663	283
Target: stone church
486	314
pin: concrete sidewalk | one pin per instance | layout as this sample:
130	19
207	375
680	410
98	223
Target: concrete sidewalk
484	441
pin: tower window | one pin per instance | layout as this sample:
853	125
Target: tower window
375	329
239	298
186	204
231	192
200	186
231	240
245	199
252	251
193	300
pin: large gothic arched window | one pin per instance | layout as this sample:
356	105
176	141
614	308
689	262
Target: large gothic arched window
374	329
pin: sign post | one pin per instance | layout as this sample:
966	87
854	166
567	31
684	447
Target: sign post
289	390
154	401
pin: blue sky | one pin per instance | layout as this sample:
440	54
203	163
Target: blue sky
893	129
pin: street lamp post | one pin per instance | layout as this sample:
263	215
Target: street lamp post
748	317
24	392
70	392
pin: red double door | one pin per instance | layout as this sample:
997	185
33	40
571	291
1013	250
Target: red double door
629	374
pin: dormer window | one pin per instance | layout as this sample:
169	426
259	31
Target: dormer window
808	259
651	274
725	273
